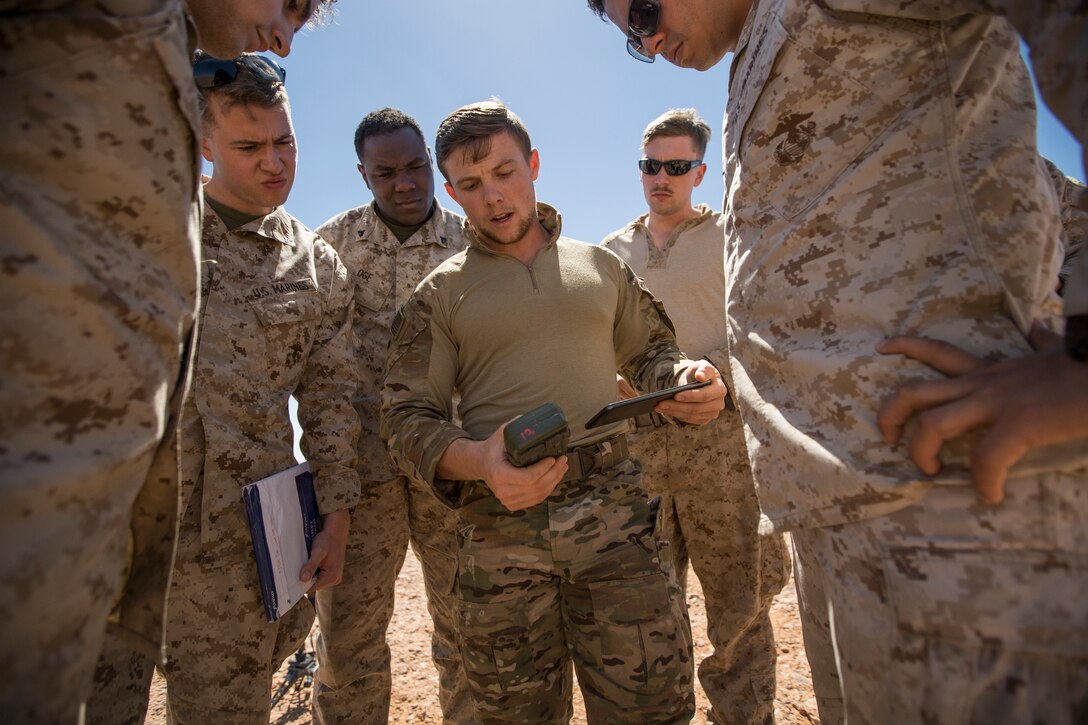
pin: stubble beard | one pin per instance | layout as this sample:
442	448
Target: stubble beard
522	230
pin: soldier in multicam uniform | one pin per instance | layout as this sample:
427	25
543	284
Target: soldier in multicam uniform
275	321
388	246
559	559
99	210
708	498
882	179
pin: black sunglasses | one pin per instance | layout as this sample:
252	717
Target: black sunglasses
642	22
212	72
674	167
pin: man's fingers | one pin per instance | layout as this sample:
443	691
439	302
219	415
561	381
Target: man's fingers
915	397
935	427
942	356
993	456
318	552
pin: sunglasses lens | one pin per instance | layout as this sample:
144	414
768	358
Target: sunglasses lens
642	18
212	72
649	166
265	68
636	51
676	168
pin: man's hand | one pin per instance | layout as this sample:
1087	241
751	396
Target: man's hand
516	488
697	406
1026	402
327	552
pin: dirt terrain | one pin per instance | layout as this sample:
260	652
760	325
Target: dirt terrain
415	686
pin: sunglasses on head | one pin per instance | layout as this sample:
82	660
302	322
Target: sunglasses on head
642	20
212	72
674	167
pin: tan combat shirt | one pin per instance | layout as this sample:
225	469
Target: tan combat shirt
275	321
510	337
688	275
881	179
385	273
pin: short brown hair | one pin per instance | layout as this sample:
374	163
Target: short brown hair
247	89
471	128
679	122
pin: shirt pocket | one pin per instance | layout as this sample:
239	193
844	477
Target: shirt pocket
287	309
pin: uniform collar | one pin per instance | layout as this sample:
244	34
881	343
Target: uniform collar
373	225
277	226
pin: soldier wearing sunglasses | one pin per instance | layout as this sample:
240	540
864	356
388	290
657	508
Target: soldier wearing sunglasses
100	216
709	509
883	181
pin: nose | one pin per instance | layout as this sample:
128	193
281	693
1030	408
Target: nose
492	194
404	181
272	161
282	34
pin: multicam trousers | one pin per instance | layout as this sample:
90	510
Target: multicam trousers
581	578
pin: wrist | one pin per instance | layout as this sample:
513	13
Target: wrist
1076	338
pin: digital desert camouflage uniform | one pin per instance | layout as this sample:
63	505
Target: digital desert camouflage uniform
275	321
709	502
1073	201
353	681
853	217
99	207
581	575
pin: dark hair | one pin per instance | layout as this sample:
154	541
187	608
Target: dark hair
471	127
384	120
679	122
597	6
247	89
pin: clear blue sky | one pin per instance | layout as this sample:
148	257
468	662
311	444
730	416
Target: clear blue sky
554	63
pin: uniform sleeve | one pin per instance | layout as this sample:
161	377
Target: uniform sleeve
417	395
645	341
330	425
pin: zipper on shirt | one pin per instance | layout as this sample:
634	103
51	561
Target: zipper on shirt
532	278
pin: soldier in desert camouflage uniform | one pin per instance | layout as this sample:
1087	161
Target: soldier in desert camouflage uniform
558	560
882	179
275	321
388	246
99	211
702	473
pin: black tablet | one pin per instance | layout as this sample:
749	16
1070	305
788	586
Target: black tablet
637	406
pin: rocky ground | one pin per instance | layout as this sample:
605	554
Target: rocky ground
415	686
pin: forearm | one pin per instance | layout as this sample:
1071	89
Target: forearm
462	460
